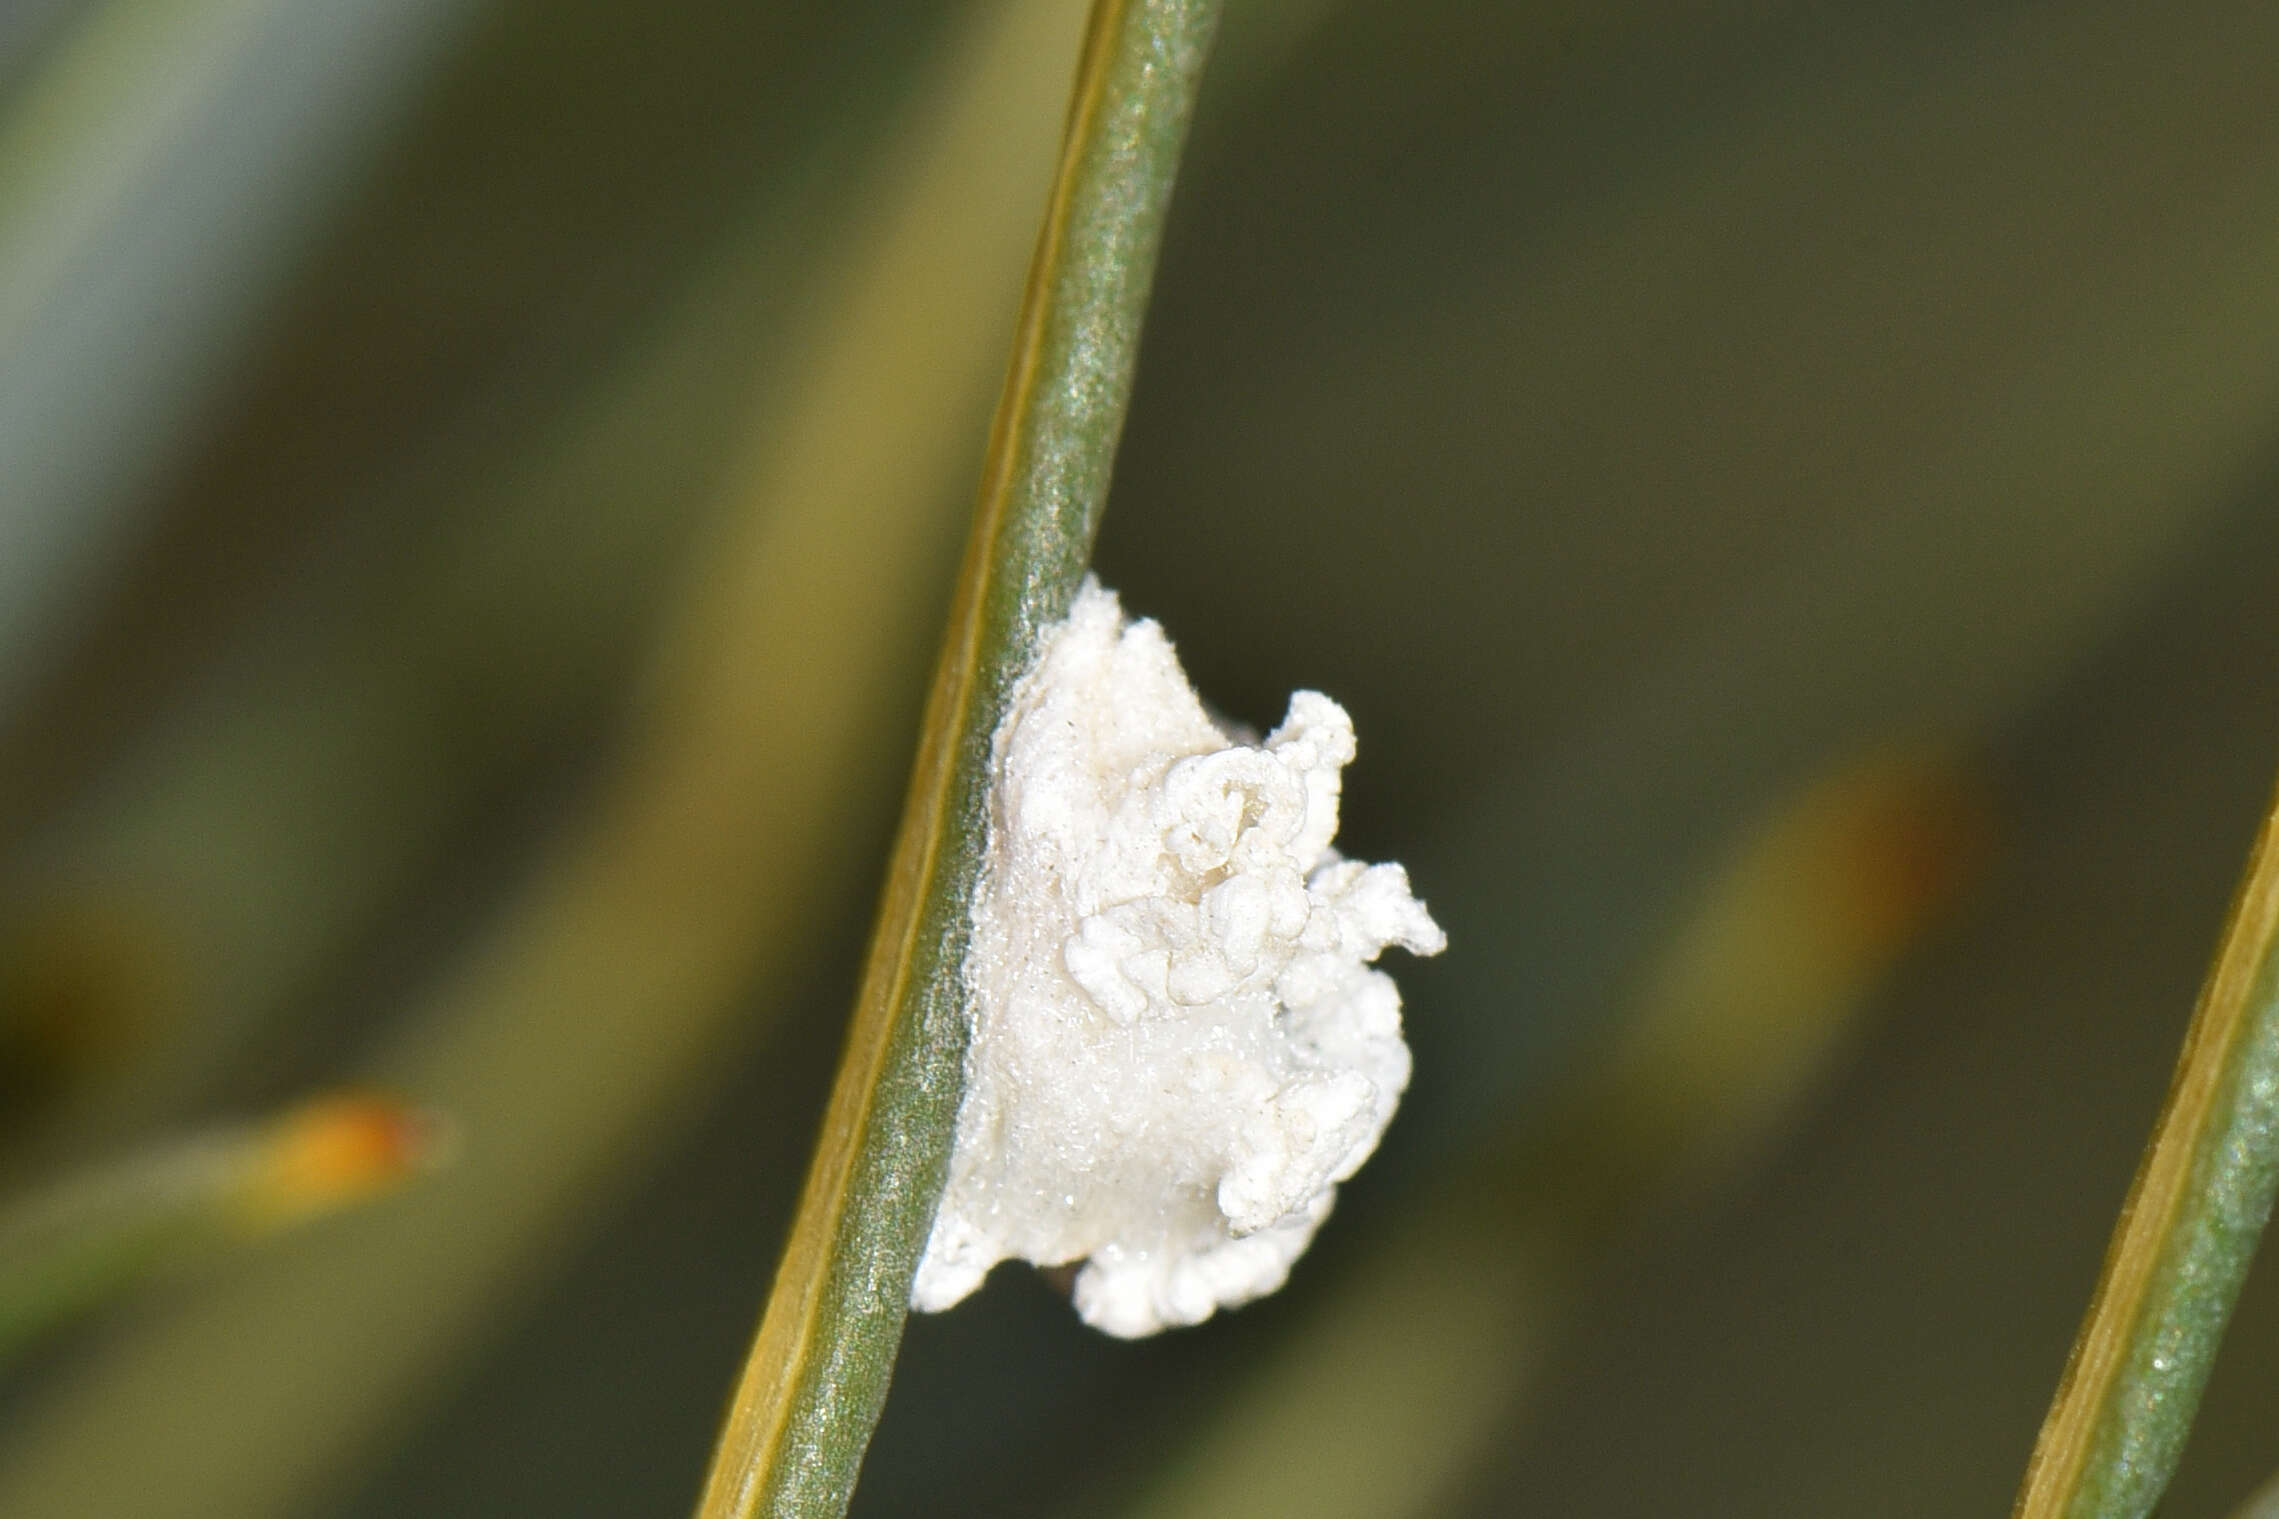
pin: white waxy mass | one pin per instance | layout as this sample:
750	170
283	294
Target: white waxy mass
1179	1045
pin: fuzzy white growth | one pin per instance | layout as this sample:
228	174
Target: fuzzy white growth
1179	1048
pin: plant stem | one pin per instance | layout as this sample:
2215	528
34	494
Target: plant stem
2184	1241
817	1374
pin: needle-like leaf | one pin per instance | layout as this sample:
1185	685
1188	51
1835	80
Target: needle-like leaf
92	1236
817	1375
2184	1241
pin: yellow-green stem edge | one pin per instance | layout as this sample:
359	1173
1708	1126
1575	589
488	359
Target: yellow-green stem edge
816	1377
2184	1241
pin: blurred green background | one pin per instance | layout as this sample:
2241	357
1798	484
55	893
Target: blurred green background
1788	491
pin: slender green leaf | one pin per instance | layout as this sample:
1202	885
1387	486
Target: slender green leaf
92	1236
816	1379
2184	1241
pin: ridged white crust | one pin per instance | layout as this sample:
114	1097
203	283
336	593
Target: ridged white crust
1179	1046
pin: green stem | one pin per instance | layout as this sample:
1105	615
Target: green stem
817	1375
2184	1241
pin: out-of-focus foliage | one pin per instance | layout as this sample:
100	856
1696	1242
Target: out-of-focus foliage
477	491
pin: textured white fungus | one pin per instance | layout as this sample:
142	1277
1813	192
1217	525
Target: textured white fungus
1179	1047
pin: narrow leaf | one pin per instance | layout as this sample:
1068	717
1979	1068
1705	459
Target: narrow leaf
2184	1241
817	1374
79	1242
